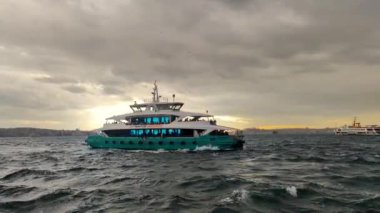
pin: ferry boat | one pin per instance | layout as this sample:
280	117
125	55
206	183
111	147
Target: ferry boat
159	124
357	129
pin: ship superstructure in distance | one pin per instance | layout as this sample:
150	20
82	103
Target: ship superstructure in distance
357	129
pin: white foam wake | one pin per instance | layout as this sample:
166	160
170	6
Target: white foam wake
236	197
205	148
292	190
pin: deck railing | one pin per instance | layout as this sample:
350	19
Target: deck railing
162	99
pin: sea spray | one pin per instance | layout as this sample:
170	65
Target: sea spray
292	190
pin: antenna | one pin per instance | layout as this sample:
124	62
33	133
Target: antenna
173	97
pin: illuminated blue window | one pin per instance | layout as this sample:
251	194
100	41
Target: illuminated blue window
166	119
133	132
141	132
170	131
148	120
156	120
155	132
147	131
178	131
163	131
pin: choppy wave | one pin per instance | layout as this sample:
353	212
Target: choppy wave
34	202
6	191
288	173
27	172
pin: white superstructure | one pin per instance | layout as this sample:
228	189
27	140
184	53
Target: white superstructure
357	129
158	117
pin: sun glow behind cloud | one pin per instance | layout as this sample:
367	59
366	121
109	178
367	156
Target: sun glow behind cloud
99	114
233	121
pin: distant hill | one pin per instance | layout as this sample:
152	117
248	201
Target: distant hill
289	131
35	132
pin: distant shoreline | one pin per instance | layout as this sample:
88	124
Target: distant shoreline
289	131
37	132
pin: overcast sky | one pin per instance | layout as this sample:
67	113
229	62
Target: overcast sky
71	63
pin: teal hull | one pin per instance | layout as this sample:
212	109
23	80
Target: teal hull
174	143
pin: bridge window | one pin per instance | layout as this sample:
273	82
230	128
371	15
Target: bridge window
156	120
165	120
151	120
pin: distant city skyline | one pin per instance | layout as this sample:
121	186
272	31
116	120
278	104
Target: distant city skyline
265	64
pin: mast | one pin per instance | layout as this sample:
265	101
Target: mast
156	97
356	124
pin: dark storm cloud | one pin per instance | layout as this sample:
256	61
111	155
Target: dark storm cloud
268	58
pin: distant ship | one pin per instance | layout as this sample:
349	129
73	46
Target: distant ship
159	124
357	129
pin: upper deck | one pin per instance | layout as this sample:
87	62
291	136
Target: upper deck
158	106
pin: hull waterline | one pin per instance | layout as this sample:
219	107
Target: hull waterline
157	143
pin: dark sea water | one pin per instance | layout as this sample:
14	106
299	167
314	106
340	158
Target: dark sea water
274	173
